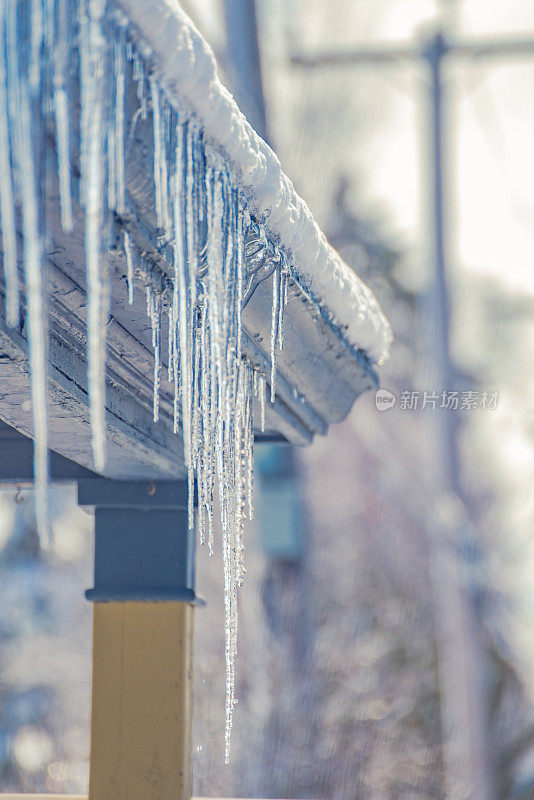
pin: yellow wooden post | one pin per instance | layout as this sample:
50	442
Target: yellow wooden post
142	640
141	711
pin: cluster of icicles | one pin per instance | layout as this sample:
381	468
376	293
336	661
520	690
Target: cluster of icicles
51	52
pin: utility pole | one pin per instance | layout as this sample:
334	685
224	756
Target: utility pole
464	708
244	61
467	753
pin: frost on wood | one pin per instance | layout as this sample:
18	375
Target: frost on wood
65	60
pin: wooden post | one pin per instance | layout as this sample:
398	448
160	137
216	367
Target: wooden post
142	640
141	710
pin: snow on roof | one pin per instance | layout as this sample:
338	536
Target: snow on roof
188	70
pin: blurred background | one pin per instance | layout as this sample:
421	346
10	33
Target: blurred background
386	636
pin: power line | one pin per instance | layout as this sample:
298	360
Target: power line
387	54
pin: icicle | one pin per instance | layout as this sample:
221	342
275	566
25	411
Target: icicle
281	308
153	310
49	7
204	464
196	440
129	266
92	149
249	446
230	635
139	77
120	83
191	215
240	266
250	471
175	316
36	41
262	392
157	358
23	139
191	231
213	355
7	207
222	424
160	160
239	474
275	315
170	345
61	114
112	167
180	299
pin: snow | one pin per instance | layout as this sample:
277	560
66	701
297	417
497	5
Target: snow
187	69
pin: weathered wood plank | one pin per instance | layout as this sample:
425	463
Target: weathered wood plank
136	446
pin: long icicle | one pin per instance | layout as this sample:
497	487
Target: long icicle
180	293
129	266
7	207
23	140
191	215
92	147
275	319
160	159
61	114
120	87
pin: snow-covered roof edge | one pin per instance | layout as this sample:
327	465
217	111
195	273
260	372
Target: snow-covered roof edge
189	73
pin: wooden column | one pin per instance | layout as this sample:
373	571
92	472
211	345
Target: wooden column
142	640
141	711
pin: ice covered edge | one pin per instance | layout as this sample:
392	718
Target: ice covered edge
188	71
